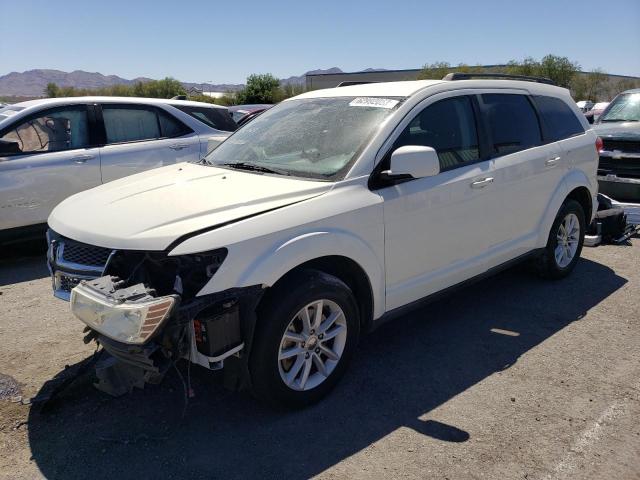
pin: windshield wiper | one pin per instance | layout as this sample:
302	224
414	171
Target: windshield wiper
619	120
255	168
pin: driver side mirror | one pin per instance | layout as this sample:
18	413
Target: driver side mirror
412	161
9	148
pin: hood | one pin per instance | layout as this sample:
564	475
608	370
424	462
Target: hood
618	130
150	210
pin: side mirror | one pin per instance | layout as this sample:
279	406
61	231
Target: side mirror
8	148
413	161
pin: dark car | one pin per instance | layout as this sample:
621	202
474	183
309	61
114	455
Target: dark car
619	129
242	114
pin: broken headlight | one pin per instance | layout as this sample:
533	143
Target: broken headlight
132	318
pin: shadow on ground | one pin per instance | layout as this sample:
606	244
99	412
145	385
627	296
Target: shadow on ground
402	371
22	262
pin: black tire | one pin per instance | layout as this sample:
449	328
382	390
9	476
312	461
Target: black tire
546	265
274	315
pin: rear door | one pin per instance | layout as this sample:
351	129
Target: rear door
141	137
526	168
56	157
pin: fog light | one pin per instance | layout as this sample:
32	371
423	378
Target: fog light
127	322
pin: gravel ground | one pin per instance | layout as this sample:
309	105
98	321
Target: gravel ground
513	377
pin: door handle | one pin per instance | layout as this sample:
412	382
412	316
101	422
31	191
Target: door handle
178	146
81	158
483	182
551	161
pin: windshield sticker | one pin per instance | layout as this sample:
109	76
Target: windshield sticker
373	102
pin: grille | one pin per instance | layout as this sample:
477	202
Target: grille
622	167
68	283
84	254
622	145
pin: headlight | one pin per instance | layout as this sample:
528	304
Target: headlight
126	322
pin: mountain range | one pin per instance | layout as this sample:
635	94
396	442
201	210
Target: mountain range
33	82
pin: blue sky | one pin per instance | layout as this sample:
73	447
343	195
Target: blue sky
225	41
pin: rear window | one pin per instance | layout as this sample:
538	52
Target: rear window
558	120
512	121
217	118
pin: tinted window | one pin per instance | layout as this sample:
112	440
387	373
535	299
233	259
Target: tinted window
126	124
449	127
512	121
217	118
559	121
171	126
55	130
134	123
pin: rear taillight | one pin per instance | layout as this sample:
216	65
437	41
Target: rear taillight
599	145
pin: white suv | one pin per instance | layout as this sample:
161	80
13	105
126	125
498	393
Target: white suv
326	215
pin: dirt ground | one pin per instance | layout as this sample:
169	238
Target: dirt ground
513	377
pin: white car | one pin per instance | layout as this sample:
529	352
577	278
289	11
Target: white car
53	148
322	218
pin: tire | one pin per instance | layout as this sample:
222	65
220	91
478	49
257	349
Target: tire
283	311
552	266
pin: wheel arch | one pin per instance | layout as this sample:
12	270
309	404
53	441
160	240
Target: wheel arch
345	269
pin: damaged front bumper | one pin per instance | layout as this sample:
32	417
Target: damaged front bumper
145	334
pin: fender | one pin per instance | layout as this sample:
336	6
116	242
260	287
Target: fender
573	179
283	256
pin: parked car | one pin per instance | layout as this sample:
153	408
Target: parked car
53	148
594	114
585	105
619	128
327	215
244	113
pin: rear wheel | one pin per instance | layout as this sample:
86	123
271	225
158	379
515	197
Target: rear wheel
564	243
305	337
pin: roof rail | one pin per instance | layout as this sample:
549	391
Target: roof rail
353	82
179	97
469	76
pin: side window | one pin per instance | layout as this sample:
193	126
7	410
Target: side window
52	131
217	118
449	127
512	121
128	124
170	126
559	121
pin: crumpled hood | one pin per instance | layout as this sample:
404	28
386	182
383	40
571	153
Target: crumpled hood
150	210
618	130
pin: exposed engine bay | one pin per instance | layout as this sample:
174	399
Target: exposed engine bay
145	313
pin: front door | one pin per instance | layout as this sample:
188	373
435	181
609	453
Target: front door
436	228
53	160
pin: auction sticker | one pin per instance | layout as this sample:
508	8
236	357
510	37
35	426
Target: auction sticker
373	102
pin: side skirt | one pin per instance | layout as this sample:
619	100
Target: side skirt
416	304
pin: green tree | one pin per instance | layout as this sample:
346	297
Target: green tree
434	71
52	90
260	88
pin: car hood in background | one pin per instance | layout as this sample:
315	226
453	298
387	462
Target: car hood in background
150	210
618	130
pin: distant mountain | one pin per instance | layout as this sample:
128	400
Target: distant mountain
33	82
300	80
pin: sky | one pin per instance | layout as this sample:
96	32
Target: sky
224	42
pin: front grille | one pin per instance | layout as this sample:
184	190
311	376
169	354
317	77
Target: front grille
67	283
621	167
83	254
622	145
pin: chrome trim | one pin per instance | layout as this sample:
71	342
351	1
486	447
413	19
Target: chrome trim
618	154
611	177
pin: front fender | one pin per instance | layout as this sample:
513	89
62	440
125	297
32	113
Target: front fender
283	256
572	180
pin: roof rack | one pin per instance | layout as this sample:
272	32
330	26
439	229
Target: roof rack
469	76
353	82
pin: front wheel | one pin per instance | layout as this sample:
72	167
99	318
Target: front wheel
565	242
305	337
